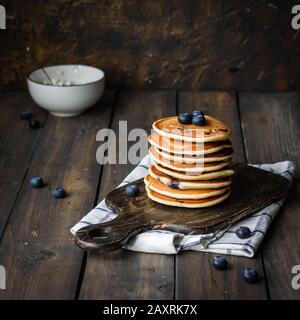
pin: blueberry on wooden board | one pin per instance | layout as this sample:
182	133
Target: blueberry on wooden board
132	190
185	118
250	275
219	263
58	193
36	182
243	232
26	115
34	124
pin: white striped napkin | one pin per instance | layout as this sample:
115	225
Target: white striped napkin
223	241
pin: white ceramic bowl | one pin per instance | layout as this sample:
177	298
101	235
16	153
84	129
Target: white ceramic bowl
73	88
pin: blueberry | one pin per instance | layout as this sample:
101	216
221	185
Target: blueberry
26	115
243	232
34	124
185	118
197	113
58	193
132	190
174	184
219	263
36	182
250	275
198	120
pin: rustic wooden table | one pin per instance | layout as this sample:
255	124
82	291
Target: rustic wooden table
36	247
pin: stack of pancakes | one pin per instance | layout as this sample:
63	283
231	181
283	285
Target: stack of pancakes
190	163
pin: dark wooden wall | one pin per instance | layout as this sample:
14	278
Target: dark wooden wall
193	44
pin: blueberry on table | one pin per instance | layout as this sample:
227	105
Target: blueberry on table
26	115
198	120
185	118
34	124
250	275
243	232
219	263
58	193
197	113
132	190
36	182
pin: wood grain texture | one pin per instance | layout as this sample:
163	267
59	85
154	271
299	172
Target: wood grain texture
252	190
208	44
17	145
204	282
37	248
130	275
271	127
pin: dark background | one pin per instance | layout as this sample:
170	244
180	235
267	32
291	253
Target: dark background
209	44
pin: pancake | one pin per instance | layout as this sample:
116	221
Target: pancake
184	167
212	130
223	155
161	188
195	177
187	148
185	184
191	203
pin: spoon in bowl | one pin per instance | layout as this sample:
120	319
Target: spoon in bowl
47	75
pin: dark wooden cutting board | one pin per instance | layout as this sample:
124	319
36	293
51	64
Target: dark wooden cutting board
252	190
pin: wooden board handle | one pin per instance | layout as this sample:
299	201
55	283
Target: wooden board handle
110	235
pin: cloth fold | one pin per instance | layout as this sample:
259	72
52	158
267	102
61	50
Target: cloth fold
223	241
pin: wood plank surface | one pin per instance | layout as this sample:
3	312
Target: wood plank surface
17	145
195	277
271	127
125	274
191	44
37	249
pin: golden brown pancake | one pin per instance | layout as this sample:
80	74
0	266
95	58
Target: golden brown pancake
190	163
187	148
191	203
194	177
161	188
197	168
212	130
186	184
223	155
